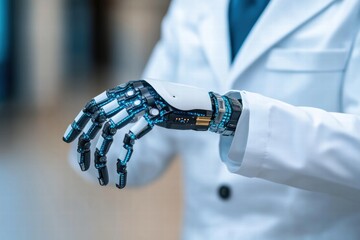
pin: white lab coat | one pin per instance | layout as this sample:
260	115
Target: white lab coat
296	163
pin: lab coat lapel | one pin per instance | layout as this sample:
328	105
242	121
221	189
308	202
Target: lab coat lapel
214	37
279	19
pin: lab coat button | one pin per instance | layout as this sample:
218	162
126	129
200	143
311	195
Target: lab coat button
224	192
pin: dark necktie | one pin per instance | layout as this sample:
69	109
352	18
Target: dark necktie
243	14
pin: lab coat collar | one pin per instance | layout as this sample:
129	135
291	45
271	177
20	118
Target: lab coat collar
280	18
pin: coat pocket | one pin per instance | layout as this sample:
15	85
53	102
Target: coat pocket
307	60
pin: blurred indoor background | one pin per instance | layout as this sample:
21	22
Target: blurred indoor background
54	56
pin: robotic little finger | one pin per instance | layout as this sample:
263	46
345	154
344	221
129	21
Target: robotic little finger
160	103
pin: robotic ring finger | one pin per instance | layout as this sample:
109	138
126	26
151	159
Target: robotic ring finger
148	103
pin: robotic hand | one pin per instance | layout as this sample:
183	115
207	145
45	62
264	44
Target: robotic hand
148	103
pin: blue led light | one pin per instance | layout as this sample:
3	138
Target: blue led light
227	114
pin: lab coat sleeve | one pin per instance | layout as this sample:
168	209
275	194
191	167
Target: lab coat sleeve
307	148
152	153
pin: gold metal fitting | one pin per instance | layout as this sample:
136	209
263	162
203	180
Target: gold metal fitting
203	121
